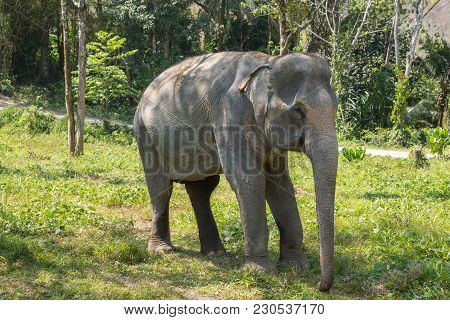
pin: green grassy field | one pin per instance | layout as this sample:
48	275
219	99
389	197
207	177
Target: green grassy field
78	228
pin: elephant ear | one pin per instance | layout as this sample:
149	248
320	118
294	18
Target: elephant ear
257	88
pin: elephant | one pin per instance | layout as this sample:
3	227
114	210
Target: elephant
238	114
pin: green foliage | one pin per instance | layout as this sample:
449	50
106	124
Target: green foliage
351	154
34	120
438	139
6	86
108	133
106	82
402	93
10	115
42	218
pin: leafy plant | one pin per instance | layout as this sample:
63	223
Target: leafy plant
402	93
106	82
354	153
437	140
6	86
35	121
10	115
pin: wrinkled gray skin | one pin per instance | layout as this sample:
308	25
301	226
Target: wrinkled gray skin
280	104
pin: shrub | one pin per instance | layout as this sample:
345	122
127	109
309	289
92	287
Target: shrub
437	140
6	86
379	137
400	137
36	121
10	115
353	153
108	133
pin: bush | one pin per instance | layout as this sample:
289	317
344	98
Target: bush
353	153
10	115
379	137
438	140
400	137
108	133
36	121
6	86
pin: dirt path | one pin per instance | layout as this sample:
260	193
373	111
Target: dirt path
7	101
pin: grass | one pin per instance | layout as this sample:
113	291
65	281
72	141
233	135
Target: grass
78	228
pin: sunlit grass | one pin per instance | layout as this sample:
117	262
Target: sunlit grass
78	228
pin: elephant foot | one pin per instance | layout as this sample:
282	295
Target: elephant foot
214	251
259	264
298	262
160	246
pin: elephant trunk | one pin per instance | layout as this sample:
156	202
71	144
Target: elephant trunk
324	158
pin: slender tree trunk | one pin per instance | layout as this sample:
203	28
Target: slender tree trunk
269	39
442	101
153	41
388	50
82	57
68	78
396	42
415	36
44	68
223	10
166	46
282	23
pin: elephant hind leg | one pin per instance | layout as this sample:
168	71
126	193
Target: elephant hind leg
200	194
160	190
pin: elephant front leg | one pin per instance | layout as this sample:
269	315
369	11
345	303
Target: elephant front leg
250	193
281	198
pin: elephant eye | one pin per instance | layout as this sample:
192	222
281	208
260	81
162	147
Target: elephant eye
300	111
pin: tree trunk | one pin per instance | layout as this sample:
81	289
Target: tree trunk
282	22
323	28
44	68
68	78
389	46
82	57
396	42
223	23
59	43
415	36
166	46
442	102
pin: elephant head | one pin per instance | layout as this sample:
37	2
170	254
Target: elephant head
295	104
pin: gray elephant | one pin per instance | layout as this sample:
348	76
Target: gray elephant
239	113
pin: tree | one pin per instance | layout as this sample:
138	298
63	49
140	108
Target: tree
68	78
292	17
402	88
106	81
437	64
82	57
419	10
